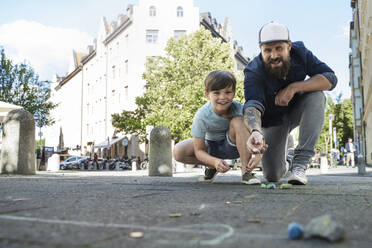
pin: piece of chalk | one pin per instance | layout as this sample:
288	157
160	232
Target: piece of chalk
271	186
286	186
136	235
295	231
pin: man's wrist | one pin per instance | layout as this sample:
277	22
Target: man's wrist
256	130
296	86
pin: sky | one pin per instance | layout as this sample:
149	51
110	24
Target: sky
43	33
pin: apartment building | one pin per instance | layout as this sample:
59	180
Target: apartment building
360	64
108	77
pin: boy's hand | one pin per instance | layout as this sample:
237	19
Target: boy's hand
256	143
254	161
221	166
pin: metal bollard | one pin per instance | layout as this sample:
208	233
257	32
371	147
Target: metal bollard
53	163
361	165
323	164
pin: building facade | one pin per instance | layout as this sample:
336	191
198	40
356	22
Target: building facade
109	77
360	64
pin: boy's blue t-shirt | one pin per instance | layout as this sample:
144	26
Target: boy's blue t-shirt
210	126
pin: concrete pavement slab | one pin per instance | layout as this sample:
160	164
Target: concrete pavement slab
101	209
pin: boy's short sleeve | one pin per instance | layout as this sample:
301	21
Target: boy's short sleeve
198	128
237	109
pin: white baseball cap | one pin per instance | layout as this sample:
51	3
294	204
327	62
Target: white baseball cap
272	32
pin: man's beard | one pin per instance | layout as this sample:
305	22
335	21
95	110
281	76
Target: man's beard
278	72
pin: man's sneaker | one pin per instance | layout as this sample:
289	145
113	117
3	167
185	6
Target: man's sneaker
297	176
209	175
250	178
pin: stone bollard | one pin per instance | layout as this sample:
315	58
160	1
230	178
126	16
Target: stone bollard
160	156
53	163
18	148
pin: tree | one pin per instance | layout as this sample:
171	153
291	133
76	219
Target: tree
21	86
343	122
323	141
174	88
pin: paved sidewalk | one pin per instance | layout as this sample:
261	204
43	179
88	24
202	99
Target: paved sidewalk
101	208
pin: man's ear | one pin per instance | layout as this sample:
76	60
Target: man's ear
289	45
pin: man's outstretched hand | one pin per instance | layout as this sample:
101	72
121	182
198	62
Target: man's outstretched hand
256	146
256	143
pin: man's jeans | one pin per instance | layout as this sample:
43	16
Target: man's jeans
308	113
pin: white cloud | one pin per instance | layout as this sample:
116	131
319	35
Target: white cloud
346	30
47	49
344	33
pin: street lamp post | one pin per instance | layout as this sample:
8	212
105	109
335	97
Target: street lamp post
331	118
334	137
40	134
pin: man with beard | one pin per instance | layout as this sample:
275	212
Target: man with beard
283	88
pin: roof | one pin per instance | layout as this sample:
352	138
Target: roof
78	57
107	143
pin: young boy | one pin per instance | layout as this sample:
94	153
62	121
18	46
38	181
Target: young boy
218	132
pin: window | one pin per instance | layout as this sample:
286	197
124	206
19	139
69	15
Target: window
152	11
179	11
126	92
126	39
126	67
178	33
151	36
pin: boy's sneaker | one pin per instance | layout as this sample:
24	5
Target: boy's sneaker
297	176
250	178
209	175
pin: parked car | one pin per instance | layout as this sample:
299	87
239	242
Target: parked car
83	162
69	163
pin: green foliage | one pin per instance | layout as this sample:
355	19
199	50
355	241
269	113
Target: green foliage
21	86
174	88
37	145
343	112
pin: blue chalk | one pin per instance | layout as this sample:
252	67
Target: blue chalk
295	231
271	186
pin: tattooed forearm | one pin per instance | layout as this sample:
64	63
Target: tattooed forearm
252	119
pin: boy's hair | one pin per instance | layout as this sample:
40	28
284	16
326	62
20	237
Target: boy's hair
217	80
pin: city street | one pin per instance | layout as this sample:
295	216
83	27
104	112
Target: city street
103	208
96	97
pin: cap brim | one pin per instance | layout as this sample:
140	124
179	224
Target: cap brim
269	41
